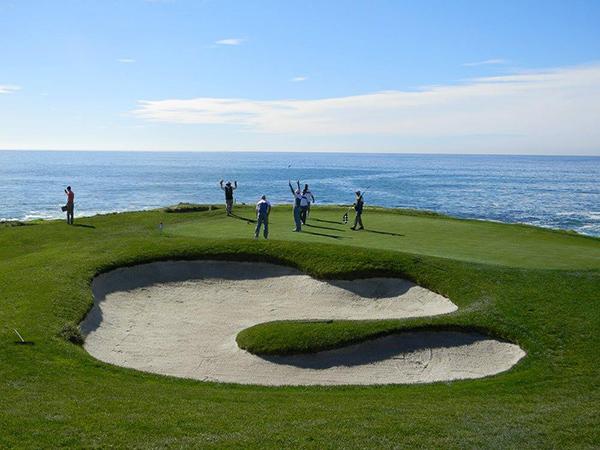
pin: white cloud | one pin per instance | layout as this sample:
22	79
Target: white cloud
298	79
126	60
559	107
8	89
230	41
487	62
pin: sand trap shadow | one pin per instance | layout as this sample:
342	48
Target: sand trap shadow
374	287
143	275
395	346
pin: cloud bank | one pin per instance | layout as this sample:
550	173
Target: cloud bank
8	89
558	106
230	41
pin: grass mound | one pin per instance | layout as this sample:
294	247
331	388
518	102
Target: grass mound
310	336
15	223
189	207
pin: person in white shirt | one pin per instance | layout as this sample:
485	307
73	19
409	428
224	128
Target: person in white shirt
263	209
305	201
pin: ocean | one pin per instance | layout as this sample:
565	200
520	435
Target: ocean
560	192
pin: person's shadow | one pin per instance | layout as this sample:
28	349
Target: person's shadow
333	236
323	228
387	233
327	221
243	218
82	225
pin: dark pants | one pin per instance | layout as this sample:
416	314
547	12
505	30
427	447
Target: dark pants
303	214
262	219
228	205
70	212
297	219
358	221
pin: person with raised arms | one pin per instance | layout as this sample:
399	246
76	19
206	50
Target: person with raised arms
297	208
228	195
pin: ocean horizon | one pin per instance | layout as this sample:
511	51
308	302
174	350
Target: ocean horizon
559	192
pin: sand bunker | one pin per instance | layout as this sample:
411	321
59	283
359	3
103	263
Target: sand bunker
182	318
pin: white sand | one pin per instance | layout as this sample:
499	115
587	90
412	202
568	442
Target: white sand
182	318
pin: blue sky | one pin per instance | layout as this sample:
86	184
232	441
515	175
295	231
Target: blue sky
419	76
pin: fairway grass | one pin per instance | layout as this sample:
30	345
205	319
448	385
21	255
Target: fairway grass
536	288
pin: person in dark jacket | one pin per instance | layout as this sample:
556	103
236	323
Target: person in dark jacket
358	209
228	188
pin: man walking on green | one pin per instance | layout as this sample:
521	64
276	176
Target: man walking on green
305	201
263	209
358	209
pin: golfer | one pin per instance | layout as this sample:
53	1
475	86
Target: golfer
358	209
307	199
263	209
70	206
297	208
228	188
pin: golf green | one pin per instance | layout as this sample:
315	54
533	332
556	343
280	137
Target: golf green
537	288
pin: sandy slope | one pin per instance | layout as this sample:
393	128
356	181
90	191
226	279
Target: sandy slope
181	319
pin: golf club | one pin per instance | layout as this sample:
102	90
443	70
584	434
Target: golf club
19	334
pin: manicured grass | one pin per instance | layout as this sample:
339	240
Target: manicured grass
424	234
188	207
537	288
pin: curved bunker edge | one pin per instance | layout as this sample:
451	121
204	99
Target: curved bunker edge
181	318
